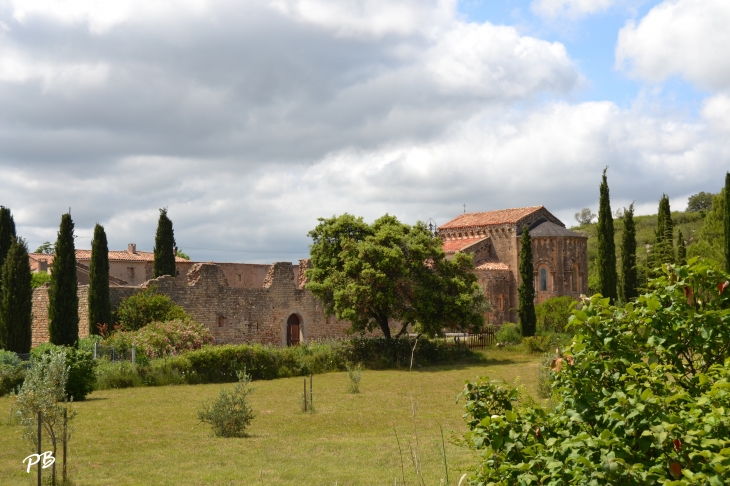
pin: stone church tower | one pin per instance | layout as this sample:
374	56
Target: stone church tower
560	256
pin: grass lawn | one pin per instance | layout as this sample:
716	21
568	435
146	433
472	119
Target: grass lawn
151	436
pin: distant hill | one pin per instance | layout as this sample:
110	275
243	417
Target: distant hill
690	223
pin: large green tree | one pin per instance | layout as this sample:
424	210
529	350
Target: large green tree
710	240
99	305
628	283
63	306
164	246
7	234
663	250
386	273
526	290
726	221
16	300
606	261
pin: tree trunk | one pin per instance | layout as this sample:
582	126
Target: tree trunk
383	323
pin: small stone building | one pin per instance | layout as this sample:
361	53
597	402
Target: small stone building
560	256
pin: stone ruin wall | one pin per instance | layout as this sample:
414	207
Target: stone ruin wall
234	315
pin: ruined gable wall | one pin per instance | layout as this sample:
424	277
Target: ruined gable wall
39	323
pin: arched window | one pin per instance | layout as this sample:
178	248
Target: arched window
543	279
501	302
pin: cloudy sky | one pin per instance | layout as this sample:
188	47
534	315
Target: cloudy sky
250	119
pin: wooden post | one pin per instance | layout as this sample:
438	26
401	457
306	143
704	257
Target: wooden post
305	394
65	439
39	448
311	396
96	350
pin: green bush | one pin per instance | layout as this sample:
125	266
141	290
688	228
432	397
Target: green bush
230	414
81	374
509	333
538	344
11	378
9	358
146	306
87	343
161	339
123	374
553	314
354	372
642	395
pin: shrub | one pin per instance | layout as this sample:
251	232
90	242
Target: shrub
81	364
161	339
9	358
553	314
509	333
87	343
538	344
11	378
230	414
642	395
354	372
123	374
146	306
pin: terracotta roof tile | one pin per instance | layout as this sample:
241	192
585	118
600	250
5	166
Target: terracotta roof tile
452	246
492	266
501	216
120	256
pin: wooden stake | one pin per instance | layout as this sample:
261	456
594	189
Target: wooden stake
39	448
311	401
305	394
65	439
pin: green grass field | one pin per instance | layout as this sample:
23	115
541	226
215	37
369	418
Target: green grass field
151	436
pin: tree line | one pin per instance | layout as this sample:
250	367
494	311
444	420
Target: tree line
16	290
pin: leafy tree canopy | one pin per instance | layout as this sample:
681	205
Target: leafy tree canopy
375	275
46	247
641	393
183	255
585	216
145	307
700	201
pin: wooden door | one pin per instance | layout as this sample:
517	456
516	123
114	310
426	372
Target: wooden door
292	330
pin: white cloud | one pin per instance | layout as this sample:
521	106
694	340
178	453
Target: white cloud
688	38
569	8
716	110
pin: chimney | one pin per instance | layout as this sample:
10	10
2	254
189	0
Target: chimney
132	248
174	249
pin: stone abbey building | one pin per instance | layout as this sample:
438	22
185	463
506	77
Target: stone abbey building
268	304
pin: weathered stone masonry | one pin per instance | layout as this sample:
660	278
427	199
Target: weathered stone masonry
233	314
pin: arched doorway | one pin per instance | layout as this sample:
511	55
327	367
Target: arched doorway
292	330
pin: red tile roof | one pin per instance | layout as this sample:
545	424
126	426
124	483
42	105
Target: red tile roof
120	256
501	216
452	246
492	266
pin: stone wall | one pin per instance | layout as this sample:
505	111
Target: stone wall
233	314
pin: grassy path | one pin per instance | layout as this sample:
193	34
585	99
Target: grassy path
151	436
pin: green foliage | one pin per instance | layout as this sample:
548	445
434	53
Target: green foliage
162	339
164	246
509	333
183	255
38	279
544	375
16	300
11	378
663	250
123	374
354	372
538	344
230	414
145	307
628	284
711	234
553	314
46	248
642	395
9	358
372	275
99	305
526	290
63	307
585	216
726	222
81	368
681	249
7	233
699	202
606	246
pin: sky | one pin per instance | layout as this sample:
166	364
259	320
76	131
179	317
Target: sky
250	119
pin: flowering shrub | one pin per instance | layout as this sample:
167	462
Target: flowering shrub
161	339
642	391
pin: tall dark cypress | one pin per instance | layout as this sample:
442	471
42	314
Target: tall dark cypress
663	249
526	290
7	234
607	278
164	246
16	300
99	306
63	306
628	282
681	249
726	221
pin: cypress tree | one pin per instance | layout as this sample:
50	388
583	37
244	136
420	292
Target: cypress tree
607	278
726	221
7	234
16	300
63	306
99	306
663	249
164	246
681	249
526	291
628	282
